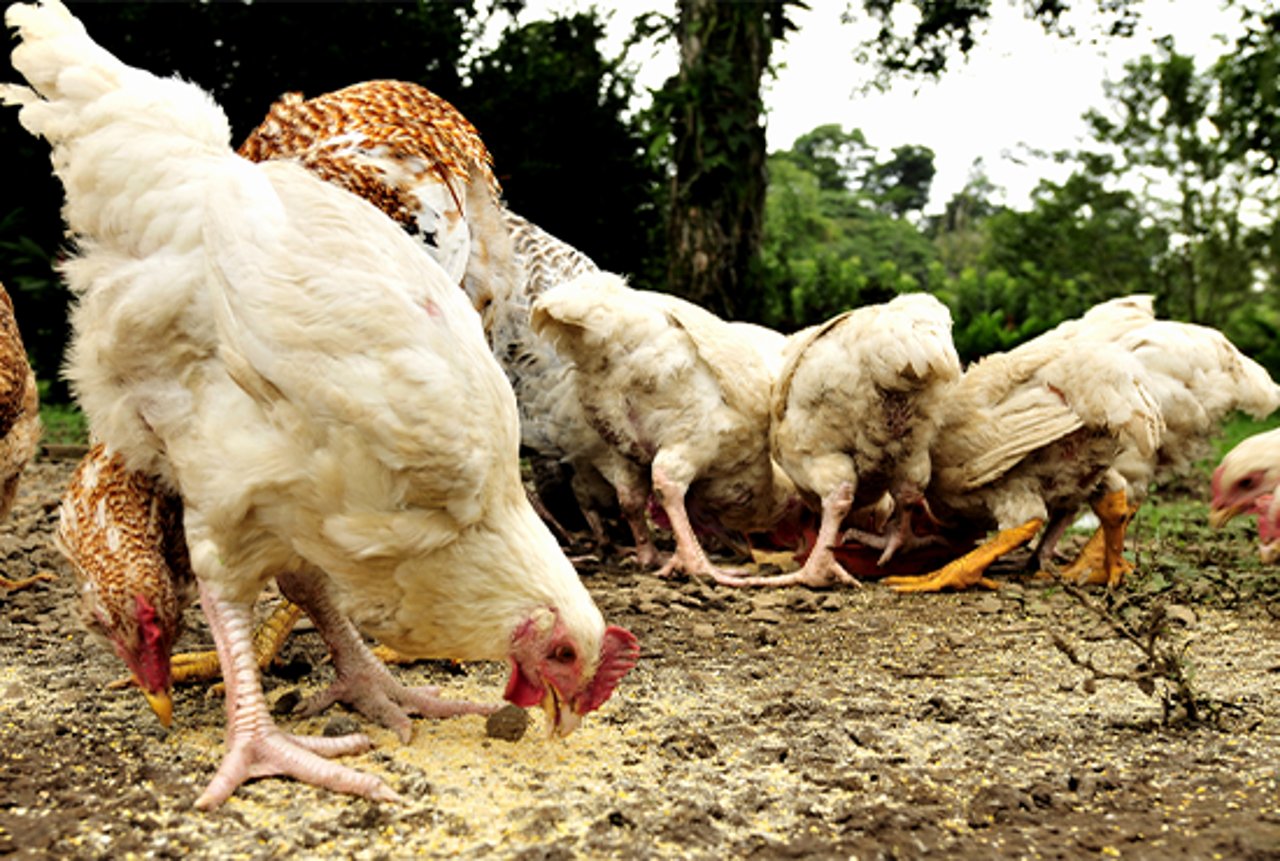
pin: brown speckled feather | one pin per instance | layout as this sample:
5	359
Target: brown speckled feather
19	407
123	536
395	144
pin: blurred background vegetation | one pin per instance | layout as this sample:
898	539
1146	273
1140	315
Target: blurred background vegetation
1175	194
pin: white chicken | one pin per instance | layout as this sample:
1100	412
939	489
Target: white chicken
1245	482
856	408
281	354
1028	434
682	399
1197	377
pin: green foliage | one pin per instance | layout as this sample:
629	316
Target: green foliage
827	249
555	114
64	424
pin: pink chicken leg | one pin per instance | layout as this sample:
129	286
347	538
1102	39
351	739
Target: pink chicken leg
363	681
256	747
821	568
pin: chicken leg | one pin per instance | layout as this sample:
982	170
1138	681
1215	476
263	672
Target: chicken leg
256	747
1102	559
14	585
689	556
821	568
968	570
363	681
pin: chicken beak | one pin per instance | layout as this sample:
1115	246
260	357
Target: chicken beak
162	704
1219	517
561	720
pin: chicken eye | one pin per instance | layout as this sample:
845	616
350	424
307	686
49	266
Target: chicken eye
564	654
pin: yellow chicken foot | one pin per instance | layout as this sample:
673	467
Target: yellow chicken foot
268	640
14	585
968	569
1102	559
189	667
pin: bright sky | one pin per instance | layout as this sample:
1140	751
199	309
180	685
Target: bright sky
1019	86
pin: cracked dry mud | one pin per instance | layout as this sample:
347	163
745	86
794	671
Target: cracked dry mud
787	724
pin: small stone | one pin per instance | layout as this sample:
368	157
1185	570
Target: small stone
340	725
286	703
507	723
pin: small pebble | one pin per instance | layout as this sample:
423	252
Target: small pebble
340	725
507	723
286	703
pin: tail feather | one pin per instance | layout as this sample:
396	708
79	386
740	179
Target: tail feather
114	130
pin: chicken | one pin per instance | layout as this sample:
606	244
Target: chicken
1027	435
123	538
285	358
681	398
1245	482
20	427
402	148
855	411
122	535
553	427
409	153
1197	377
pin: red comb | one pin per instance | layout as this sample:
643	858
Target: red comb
618	654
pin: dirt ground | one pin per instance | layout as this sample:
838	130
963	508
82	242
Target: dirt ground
787	724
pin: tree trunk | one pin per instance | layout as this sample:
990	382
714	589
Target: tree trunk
717	195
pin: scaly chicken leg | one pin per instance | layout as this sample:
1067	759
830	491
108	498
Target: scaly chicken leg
821	568
1102	559
689	556
968	569
363	681
268	640
256	747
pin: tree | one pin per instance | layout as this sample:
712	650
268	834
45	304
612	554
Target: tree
554	113
901	184
713	110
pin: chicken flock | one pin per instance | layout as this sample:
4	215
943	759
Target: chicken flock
318	360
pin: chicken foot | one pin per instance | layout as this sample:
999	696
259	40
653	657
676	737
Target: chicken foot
1102	558
363	681
14	585
268	640
968	570
821	568
256	747
689	556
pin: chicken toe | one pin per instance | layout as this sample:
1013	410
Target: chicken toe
363	681
1102	558
255	746
14	585
969	569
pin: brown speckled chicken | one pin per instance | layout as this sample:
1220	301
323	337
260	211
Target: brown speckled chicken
402	148
123	536
682	399
19	418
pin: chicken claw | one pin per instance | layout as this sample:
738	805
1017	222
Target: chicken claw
968	569
14	585
363	682
1102	559
256	747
